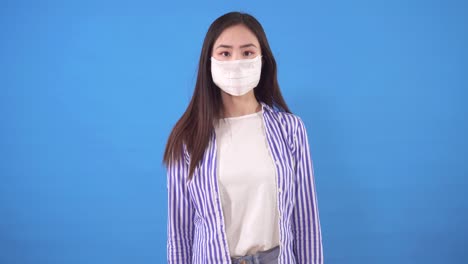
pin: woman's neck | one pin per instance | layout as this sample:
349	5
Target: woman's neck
234	106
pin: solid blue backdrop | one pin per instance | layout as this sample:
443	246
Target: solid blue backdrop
91	89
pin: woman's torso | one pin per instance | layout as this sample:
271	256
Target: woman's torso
247	182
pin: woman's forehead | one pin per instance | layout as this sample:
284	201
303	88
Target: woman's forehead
236	36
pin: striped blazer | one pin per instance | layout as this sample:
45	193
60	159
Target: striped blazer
195	225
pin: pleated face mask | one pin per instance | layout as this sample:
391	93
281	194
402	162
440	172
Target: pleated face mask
236	77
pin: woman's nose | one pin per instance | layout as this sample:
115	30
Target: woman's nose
237	56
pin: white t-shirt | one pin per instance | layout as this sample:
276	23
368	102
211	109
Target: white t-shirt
247	182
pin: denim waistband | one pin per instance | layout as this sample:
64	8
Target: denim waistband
269	256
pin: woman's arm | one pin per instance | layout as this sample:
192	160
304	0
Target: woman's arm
180	214
307	231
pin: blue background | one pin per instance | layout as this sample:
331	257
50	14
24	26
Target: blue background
91	89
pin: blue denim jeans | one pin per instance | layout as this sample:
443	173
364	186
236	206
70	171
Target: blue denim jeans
269	256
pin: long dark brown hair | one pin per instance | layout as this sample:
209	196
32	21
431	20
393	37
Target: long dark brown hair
195	126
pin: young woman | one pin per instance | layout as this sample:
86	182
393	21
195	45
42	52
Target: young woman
240	177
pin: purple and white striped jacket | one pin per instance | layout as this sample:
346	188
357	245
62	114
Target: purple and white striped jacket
195	227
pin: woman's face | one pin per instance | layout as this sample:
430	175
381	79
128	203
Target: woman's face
236	43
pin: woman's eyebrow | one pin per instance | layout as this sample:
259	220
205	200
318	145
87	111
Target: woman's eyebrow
230	47
248	45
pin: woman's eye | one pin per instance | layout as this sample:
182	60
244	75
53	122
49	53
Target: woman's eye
225	54
248	53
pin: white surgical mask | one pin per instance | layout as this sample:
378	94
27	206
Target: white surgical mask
236	77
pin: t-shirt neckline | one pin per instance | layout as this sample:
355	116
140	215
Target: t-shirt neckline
243	116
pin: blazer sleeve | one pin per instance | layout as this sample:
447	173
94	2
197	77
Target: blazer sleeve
180	214
307	244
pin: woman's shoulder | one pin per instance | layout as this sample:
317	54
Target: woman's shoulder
289	121
289	125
